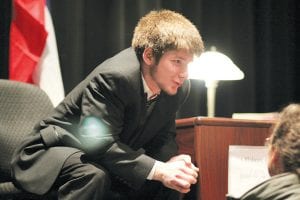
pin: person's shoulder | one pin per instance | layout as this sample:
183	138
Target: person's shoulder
124	57
292	177
282	185
122	64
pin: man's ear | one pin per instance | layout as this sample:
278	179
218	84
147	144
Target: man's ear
148	56
275	162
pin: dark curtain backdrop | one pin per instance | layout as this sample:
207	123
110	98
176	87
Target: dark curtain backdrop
5	17
260	36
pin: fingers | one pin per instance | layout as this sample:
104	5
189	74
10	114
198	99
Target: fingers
187	159
181	186
187	172
190	168
195	168
189	176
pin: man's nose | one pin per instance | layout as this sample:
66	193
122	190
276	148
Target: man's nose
183	75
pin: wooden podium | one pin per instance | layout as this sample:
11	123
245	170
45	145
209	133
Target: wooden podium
207	141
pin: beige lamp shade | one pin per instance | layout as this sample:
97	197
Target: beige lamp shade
213	66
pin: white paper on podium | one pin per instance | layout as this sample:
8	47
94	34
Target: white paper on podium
247	167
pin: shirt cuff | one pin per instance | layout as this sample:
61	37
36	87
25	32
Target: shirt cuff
151	174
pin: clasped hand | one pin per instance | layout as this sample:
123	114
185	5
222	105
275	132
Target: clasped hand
179	173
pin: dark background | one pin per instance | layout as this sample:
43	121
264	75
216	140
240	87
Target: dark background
260	36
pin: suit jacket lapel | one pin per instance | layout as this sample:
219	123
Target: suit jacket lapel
154	122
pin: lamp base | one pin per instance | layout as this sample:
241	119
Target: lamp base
211	86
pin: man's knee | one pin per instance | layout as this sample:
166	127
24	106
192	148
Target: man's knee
82	180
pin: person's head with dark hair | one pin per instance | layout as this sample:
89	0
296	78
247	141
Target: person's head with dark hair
166	30
284	154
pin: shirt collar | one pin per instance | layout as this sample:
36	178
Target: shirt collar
150	94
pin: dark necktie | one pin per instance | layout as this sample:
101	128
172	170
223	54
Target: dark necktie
150	104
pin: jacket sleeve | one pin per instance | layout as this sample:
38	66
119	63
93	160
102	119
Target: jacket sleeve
163	146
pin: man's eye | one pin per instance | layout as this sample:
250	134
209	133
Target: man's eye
177	61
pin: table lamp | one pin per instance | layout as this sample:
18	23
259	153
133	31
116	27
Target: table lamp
211	67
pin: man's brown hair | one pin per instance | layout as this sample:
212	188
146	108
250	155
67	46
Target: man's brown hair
166	30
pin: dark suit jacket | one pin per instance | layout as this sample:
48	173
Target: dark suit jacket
112	96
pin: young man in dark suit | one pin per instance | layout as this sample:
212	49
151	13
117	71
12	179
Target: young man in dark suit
114	134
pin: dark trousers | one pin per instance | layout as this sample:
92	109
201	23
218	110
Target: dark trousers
80	179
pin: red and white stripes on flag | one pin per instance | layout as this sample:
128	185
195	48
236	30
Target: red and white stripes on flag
33	56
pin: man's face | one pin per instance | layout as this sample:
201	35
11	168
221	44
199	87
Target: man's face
171	71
